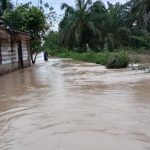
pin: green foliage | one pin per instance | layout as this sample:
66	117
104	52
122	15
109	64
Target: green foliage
30	19
140	10
111	60
91	25
119	60
51	41
78	27
26	18
117	31
141	41
5	5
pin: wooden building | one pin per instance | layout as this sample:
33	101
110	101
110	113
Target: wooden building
14	50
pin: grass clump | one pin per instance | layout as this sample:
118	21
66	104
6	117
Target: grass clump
111	60
119	60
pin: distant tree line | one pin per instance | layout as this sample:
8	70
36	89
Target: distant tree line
97	27
88	26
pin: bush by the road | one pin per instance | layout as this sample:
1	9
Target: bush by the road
111	60
119	60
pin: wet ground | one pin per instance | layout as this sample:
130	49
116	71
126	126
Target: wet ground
70	105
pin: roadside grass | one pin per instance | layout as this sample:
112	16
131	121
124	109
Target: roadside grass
110	60
119	60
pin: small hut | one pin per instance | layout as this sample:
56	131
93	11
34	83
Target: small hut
14	49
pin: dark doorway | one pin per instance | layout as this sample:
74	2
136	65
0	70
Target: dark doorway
20	57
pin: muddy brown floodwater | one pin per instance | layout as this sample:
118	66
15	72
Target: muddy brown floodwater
69	105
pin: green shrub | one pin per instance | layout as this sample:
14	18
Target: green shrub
119	60
102	58
111	60
52	53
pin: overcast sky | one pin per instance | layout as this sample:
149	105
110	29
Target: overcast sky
56	3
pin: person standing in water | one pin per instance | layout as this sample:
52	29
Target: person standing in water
45	56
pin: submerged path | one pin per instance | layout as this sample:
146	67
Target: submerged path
70	105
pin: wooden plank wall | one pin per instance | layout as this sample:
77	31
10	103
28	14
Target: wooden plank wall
26	53
9	56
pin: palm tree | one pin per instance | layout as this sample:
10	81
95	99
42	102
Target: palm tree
141	13
115	26
141	6
98	17
77	28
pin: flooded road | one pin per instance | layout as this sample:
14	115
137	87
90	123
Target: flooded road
70	105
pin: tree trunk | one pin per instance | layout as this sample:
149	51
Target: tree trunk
34	58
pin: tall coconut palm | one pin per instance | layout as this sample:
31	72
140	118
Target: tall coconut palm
77	27
115	26
141	12
140	6
98	17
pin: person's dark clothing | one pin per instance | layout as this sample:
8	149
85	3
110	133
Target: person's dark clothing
46	56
